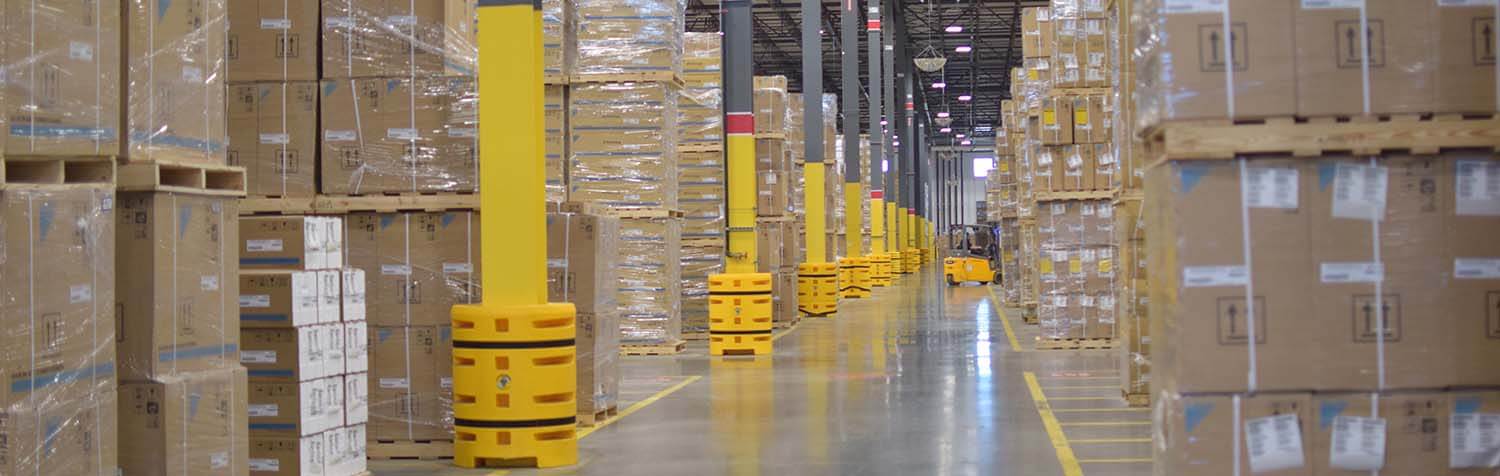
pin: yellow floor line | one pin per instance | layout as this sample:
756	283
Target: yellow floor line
638	405
1010	334
1062	399
1115	460
1107	423
1081	387
786	331
1054	430
1090	377
1100	410
1106	441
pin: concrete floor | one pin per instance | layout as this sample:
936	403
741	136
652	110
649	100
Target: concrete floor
920	379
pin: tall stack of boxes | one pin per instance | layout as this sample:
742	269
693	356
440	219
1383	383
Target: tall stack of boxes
304	343
1377	266
833	180
1002	194
700	175
582	252
776	226
1131	295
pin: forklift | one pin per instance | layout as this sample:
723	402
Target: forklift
974	255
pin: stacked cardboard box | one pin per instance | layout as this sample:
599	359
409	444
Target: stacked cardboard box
559	41
273	95
59	345
555	118
833	179
61	91
582	259
304	342
173	92
623	40
650	285
700	174
1131	293
623	144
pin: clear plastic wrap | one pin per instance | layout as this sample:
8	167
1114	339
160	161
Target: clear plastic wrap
1010	265
582	260
57	264
839	247
1076	269
559	39
188	423
771	106
701	194
623	144
417	264
60	77
399	134
411	383
698	263
650	288
864	202
273	134
175	64
629	37
555	119
701	110
274	40
796	140
364	39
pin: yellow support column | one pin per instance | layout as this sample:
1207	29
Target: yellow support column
817	279
909	248
892	248
880	260
854	270
514	387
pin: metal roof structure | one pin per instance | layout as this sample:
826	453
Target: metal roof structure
990	27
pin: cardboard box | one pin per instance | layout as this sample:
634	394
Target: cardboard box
356	398
273	40
176	278
336	452
296	408
1199	271
278	298
770	156
1089	116
1094	53
1057	120
411	383
417	264
598	361
330	295
346	451
163	431
1182	74
1331	72
291	242
1198	434
1067	51
273	135
582	253
629	38
1415	426
370	38
559	41
173	89
770	239
58	291
1361	280
352	295
555	121
292	354
1474	290
62	84
650	291
1036	32
622	152
1471	410
69	435
399	135
1465	76
356	347
770	100
771	194
784	295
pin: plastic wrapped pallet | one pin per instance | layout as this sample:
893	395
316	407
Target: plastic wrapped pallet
62	78
582	269
189	423
59	342
418	264
771	105
650	289
618	37
364	39
698	263
273	134
701	109
556	126
701	194
399	134
411	383
623	144
559	40
175	65
864	178
1076	266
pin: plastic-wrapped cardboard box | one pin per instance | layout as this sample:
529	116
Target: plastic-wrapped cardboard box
1390	69
582	256
296	408
371	38
1198	435
623	144
1036	32
1416	432
273	134
61	87
163	431
175	65
411	383
1474	257
650	289
417	264
555	120
65	436
598	361
559	38
291	242
1465	76
770	100
274	40
293	354
629	37
399	134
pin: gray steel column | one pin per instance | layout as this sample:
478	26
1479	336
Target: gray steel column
888	94
812	81
877	139
849	94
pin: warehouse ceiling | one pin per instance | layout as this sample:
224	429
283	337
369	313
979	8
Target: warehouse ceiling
990	27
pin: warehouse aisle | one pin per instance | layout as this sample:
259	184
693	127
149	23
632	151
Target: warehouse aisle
921	379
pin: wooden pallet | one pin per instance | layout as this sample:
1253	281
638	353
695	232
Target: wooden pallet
1136	399
670	348
200	179
594	419
1078	91
1320	136
1030	318
1080	195
1089	343
554	79
702	242
411	202
58	171
1128	195
770	135
276	206
409	449
664	76
695	335
717	146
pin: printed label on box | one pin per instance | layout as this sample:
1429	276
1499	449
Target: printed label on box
275	138
257	356
401	20
1173	7
192	74
80	51
1473	440
1355	272
265	410
263	246
1212	276
1270	187
1358	443
401	133
394	383
218	460
275	24
265	465
1359	191
255	300
1477	191
338	22
1476	268
458	268
340	136
80	293
1327	4
1274	443
445	382
208	283
395	270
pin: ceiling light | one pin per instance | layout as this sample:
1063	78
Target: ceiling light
939	85
965	97
960	136
943	114
964	49
882	122
954	29
966	142
946	130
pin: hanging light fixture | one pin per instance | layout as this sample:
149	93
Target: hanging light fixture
929	60
944	121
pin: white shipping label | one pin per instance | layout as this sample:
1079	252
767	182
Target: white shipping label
1059	209
395	269
1359	191
275	138
1212	276
340	136
1274	443
463	132
192	74
209	283
80	51
401	20
445	382
265	465
1106	211
255	300
263	246
393	383
1195	6
1358	443
218	460
1086	301
1060	301
275	24
1355	272
257	356
1474	440
265	410
1477	187
1270	187
401	133
1087	210
457	268
338	22
1326	4
80	293
1476	268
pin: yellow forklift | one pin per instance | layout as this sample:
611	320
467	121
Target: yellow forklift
974	255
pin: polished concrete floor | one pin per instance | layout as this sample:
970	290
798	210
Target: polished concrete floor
920	379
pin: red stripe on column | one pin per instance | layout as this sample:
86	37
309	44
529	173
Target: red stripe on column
911	212
877	194
910	105
739	123
872	25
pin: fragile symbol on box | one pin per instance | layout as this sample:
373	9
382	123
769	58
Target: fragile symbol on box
1235	319
1349	40
1484	41
1211	47
1371	320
